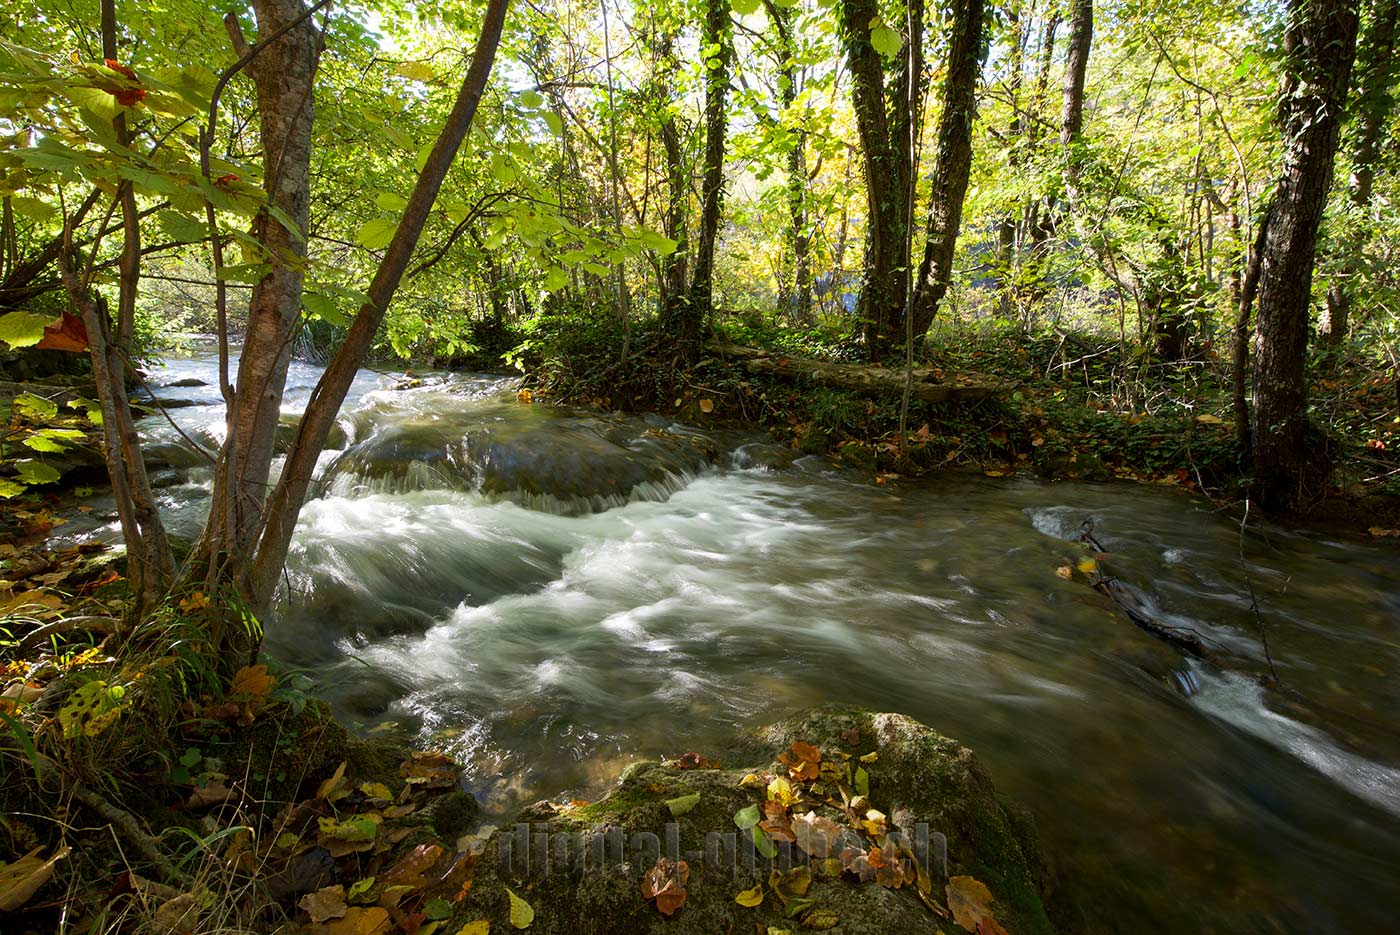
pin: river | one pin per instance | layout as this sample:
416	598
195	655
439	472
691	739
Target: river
549	594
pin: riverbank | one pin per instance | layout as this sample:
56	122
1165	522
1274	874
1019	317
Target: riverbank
994	406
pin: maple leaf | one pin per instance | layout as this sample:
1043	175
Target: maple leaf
970	902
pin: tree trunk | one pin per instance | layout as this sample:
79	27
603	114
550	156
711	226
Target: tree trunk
284	76
716	35
284	503
1319	44
796	285
883	121
1081	37
1373	104
953	165
673	265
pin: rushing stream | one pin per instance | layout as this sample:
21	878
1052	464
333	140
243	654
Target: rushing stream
550	594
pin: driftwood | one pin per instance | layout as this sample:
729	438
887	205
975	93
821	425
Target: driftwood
1133	606
929	385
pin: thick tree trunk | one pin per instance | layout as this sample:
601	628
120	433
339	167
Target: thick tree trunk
285	501
883	121
1319	44
1376	54
284	76
953	165
717	35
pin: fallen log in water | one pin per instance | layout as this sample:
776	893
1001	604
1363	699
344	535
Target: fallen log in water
929	385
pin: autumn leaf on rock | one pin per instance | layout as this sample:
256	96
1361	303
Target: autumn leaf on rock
750	897
521	912
802	761
251	684
814	834
356	921
665	882
970	902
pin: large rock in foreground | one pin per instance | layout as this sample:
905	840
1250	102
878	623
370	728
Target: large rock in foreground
845	862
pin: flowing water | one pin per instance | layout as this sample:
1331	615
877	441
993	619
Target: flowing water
550	594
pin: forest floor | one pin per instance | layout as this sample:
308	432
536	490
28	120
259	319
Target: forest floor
1059	405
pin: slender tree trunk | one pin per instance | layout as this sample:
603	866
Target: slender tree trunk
953	165
1016	67
150	566
716	35
796	285
284	504
673	265
1319	44
1376	56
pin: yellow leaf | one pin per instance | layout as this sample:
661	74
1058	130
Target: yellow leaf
750	897
1065	572
479	927
780	790
22	879
329	785
252	681
870	757
357	921
521	915
750	781
970	902
1088	566
1206	418
525	396
707	405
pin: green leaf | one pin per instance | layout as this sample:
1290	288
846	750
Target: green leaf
35	407
376	234
324	308
551	120
862	781
9	488
388	201
531	99
437	909
24	329
679	806
400	139
35	472
415	71
885	41
662	244
746	817
761	842
745	7
182	228
502	169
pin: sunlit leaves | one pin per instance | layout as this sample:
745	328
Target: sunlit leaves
376	233
23	329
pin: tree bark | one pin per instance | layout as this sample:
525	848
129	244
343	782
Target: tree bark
284	503
717	36
1373	106
795	288
284	76
953	165
883	121
1081	37
1319	44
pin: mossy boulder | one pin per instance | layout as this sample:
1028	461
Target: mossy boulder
926	784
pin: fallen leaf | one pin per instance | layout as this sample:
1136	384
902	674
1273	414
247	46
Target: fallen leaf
325	904
331	783
679	806
970	902
521	913
665	882
21	880
820	919
373	920
251	684
750	897
814	834
479	927
429	770
178	916
1065	572
707	406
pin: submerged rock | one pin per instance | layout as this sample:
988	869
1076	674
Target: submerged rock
582	867
555	455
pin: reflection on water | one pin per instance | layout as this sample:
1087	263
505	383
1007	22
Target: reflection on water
547	633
